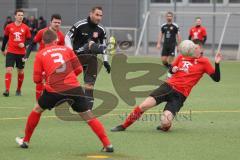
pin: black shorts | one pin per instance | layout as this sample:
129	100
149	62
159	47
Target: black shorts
174	99
168	50
90	67
14	59
74	97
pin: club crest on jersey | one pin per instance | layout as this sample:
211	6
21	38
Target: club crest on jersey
95	34
22	30
186	64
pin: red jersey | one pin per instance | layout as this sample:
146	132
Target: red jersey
61	67
198	32
39	35
190	71
17	34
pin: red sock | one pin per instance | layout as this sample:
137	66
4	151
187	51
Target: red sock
20	81
32	122
8	79
99	130
134	115
39	90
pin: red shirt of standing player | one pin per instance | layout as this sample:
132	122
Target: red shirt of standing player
62	67
15	34
198	31
55	24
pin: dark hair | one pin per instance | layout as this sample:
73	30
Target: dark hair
49	36
56	16
198	42
96	8
18	10
197	18
169	12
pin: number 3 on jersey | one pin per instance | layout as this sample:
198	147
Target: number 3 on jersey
58	58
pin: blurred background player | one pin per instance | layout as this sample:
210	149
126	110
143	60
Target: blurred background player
55	24
33	25
198	31
62	68
78	36
8	21
41	23
171	34
15	35
187	71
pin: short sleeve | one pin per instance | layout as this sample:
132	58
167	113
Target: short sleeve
162	29
6	31
204	32
208	68
38	37
61	39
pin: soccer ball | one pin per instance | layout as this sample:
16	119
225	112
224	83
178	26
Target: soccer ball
186	48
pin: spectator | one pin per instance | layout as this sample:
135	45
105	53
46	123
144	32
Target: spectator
41	23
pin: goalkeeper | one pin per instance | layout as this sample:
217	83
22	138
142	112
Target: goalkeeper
84	34
187	70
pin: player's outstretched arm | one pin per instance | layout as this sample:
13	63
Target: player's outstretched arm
216	76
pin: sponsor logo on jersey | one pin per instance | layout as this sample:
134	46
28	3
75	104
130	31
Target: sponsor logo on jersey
84	34
95	34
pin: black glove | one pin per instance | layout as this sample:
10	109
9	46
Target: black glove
107	66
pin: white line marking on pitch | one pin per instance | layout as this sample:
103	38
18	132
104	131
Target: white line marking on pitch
117	114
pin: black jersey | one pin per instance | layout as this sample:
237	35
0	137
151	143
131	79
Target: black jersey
170	32
85	30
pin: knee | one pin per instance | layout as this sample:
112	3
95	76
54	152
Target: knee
89	86
147	104
38	109
9	69
86	115
20	71
166	120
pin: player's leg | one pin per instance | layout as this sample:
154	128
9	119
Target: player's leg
164	56
174	104
166	120
47	101
171	54
80	105
156	97
90	77
31	124
20	69
10	61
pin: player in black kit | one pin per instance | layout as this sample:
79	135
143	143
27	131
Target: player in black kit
79	37
170	32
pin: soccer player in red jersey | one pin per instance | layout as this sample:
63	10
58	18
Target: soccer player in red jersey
55	24
187	71
15	34
61	67
198	31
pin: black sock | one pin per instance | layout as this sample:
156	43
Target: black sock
90	99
